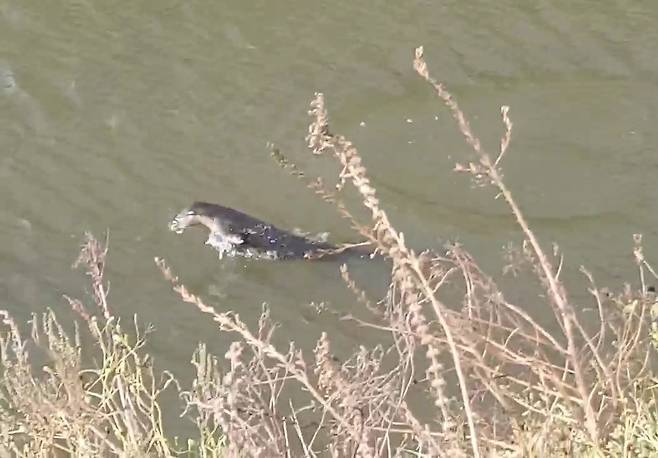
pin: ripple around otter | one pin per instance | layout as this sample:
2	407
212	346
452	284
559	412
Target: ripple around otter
225	247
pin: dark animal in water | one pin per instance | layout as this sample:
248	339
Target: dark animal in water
235	233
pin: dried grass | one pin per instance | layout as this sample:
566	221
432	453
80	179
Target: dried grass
97	394
523	388
473	376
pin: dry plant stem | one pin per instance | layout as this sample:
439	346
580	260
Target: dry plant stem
565	311
320	139
93	255
65	410
594	291
233	324
318	187
298	431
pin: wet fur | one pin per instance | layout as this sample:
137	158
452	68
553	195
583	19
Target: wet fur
246	234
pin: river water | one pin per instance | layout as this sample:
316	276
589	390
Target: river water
115	115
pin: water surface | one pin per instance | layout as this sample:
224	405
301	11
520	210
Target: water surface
115	115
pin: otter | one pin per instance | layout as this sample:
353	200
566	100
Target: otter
235	233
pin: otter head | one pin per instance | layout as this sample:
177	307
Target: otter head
191	216
213	217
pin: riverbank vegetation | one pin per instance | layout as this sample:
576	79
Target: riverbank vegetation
462	370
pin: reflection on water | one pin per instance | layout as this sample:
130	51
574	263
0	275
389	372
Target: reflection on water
114	115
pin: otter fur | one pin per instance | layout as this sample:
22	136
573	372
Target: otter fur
235	233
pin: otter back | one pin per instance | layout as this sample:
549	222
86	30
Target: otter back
233	232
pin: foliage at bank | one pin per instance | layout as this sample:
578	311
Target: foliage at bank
461	370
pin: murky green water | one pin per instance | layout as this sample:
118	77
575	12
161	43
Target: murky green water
114	115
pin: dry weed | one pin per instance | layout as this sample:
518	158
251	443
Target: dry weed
460	371
96	395
524	388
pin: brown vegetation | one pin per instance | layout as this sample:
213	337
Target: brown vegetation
477	376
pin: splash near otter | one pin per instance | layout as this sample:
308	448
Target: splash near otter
234	233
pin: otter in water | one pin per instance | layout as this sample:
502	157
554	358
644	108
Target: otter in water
235	233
